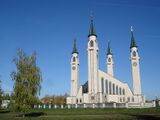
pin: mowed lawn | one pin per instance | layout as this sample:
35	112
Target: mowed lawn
84	114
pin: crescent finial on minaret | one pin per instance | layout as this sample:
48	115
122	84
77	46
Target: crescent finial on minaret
132	29
91	30
91	16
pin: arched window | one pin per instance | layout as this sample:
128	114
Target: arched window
74	59
109	59
134	54
102	85
80	100
91	43
77	101
128	99
132	99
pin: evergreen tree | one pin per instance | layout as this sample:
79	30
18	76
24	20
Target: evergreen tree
0	94
27	79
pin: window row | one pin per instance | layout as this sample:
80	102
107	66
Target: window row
110	88
129	99
80	100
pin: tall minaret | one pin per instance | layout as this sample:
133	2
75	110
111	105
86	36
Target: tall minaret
135	66
109	61
92	60
74	71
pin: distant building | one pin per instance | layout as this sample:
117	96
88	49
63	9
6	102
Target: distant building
103	86
5	103
6	99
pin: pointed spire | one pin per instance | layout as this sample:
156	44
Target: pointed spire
133	42
92	31
109	52
74	47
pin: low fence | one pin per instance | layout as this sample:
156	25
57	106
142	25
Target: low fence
150	104
95	105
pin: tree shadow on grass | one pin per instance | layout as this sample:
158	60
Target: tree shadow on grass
5	111
146	117
31	114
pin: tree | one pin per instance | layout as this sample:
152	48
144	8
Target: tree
54	99
6	96
1	92
27	79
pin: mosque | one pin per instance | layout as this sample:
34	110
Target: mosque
103	86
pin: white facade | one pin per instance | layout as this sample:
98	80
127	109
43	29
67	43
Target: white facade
74	72
5	103
135	71
103	87
92	65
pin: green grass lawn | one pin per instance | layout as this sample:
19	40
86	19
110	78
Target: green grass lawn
84	114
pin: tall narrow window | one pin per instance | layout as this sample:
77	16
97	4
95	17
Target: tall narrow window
123	91
113	89
107	86
120	99
117	90
120	91
128	99
123	99
74	59
109	59
102	85
110	89
91	43
80	100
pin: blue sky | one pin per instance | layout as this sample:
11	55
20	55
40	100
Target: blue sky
49	27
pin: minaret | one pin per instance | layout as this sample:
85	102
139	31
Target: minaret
92	61
109	61
135	66
74	71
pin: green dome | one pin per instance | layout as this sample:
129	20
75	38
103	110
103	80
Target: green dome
74	47
133	42
92	31
109	49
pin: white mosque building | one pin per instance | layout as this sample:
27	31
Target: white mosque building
102	86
